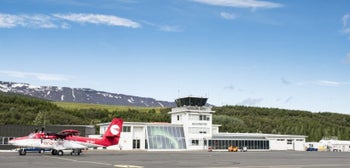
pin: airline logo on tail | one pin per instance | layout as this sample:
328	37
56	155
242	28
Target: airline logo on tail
115	129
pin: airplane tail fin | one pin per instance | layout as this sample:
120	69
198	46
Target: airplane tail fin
113	131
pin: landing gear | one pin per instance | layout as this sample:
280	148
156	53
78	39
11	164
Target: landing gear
60	153
54	152
57	152
76	152
22	152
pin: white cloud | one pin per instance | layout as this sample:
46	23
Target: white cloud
60	20
241	3
326	83
345	20
31	21
98	19
228	16
40	76
167	28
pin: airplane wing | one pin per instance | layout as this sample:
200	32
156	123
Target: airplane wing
64	133
66	144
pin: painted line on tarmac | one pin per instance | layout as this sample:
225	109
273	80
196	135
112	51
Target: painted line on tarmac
128	166
73	160
298	166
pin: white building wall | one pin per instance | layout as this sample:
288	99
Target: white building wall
197	124
278	144
282	143
139	134
299	144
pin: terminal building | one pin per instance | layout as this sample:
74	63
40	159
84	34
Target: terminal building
191	128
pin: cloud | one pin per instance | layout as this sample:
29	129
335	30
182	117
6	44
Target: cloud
345	20
250	101
31	21
241	3
326	83
98	19
167	28
285	81
346	31
230	87
40	76
61	20
228	16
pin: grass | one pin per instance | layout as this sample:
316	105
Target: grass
74	106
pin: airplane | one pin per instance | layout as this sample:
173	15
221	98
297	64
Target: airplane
68	140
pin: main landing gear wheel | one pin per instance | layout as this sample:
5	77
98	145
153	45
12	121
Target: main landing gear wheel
54	152
60	153
76	152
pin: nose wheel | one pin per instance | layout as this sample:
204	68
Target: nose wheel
22	152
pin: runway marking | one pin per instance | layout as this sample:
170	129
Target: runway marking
297	166
127	166
80	161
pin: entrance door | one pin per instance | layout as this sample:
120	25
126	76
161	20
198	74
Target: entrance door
136	144
290	144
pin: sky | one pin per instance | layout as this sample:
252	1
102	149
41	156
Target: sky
280	54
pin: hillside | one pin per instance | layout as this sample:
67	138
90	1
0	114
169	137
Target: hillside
273	120
25	110
81	95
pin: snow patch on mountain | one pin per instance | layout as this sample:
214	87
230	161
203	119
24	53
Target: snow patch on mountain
81	95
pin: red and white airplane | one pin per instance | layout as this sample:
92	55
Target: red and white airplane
68	140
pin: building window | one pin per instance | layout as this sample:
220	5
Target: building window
178	117
300	139
195	142
289	141
204	118
126	128
280	139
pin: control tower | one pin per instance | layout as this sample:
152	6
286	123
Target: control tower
191	101
196	118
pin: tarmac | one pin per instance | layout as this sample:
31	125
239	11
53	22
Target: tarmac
188	159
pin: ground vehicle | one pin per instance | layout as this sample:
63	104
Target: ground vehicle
233	148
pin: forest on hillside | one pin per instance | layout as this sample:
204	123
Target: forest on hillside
24	110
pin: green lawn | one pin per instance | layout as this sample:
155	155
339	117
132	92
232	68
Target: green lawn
72	106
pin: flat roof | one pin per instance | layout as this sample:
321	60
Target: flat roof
254	135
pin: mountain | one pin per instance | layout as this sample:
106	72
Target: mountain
81	95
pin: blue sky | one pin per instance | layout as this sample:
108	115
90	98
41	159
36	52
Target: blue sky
285	54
